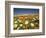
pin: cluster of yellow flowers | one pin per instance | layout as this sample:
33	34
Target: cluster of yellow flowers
26	22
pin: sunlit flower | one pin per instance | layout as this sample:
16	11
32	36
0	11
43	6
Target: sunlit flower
19	20
15	25
26	22
34	19
21	25
16	21
32	25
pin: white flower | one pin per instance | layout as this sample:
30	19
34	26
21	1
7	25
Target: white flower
15	25
16	21
19	20
32	24
26	22
34	19
21	25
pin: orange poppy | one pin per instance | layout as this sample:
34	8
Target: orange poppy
21	17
